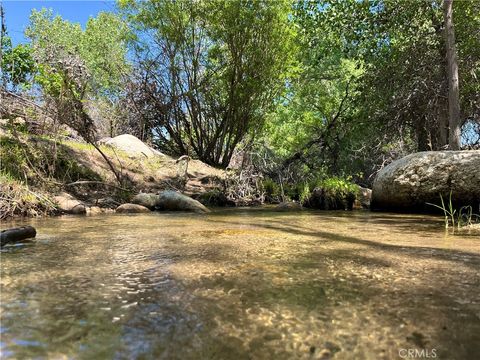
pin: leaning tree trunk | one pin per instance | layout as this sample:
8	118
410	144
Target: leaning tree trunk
452	73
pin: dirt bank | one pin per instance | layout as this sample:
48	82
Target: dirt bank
36	168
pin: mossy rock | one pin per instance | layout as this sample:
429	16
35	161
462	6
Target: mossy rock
214	198
327	200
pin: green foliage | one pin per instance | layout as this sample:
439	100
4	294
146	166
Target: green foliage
330	193
218	65
13	161
305	194
17	63
50	80
337	185
392	53
271	189
314	118
101	47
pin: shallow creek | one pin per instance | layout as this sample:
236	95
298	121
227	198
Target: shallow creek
241	284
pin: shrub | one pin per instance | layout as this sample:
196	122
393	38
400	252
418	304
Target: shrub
272	190
333	193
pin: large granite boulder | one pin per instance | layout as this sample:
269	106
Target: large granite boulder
169	200
131	145
409	183
68	204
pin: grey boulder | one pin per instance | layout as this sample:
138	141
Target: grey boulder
68	204
131	145
169	200
408	184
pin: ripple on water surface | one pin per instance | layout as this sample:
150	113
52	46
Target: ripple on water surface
241	284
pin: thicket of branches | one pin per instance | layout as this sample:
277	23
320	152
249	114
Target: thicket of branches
207	72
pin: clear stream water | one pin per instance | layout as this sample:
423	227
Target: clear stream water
241	284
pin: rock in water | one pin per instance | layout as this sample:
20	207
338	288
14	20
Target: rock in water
131	209
132	145
409	183
68	204
289	206
169	200
17	234
148	200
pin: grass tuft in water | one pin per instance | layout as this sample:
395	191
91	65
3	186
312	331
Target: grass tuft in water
463	217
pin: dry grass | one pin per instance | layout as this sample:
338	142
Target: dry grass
17	199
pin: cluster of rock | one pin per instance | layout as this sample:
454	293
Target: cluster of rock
141	203
169	200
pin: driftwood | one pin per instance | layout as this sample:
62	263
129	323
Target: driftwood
17	234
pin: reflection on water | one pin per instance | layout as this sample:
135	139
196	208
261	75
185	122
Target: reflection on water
238	284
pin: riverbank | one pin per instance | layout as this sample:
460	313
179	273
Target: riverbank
35	169
49	176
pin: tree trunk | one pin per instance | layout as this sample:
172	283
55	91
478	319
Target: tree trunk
422	135
452	73
442	117
3	31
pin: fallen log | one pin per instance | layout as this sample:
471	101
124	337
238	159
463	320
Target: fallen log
17	234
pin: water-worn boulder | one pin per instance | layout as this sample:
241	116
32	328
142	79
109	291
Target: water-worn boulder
409	183
68	204
131	209
169	200
215	198
146	199
326	199
131	145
